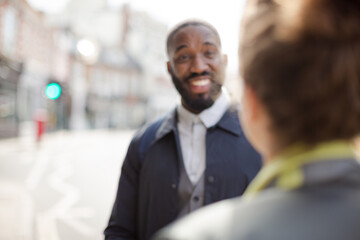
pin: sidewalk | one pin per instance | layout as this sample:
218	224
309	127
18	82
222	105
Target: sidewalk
17	216
16	204
44	186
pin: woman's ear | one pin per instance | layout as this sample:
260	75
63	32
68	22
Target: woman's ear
251	102
256	121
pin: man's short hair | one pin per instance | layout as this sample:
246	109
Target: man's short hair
186	23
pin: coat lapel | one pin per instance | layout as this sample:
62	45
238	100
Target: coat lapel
167	126
230	122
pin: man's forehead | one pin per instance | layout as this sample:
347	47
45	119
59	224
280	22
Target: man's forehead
198	32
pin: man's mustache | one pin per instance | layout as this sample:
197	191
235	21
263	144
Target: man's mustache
194	75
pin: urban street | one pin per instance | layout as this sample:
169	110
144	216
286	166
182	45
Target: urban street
62	187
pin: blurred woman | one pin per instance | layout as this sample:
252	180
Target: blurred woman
300	63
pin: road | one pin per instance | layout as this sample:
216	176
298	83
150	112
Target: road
61	188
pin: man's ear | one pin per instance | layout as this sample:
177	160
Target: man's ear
225	59
168	67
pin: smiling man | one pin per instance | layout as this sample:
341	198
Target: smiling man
197	65
195	155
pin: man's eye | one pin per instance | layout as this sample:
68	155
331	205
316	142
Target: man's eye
209	53
182	58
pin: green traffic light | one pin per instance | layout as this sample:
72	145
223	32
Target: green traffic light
53	91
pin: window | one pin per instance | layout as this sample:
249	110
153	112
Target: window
10	26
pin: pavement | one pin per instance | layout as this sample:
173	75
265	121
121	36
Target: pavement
16	208
62	187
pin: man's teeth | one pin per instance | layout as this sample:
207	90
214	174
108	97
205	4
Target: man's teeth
200	83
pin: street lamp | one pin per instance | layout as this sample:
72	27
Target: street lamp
88	50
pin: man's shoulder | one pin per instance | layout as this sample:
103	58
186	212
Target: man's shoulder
149	128
147	134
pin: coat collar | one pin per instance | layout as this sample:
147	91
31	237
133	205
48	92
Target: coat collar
300	165
168	125
228	122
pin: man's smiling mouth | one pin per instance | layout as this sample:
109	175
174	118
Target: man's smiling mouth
200	82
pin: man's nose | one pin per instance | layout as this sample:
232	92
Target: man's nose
199	65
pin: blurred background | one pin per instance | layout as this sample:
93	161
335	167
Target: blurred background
77	78
104	59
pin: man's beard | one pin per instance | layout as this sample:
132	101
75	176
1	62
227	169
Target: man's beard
198	102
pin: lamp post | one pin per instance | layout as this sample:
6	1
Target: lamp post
87	50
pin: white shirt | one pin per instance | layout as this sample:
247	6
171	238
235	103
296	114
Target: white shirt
192	132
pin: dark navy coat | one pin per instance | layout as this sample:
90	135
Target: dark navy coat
147	194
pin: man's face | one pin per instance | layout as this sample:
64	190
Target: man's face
197	66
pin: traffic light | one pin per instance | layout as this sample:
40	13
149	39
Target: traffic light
53	90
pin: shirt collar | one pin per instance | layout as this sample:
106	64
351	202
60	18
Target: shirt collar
285	170
185	117
210	116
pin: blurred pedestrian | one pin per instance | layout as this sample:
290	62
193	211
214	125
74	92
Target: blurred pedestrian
300	63
194	156
40	118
